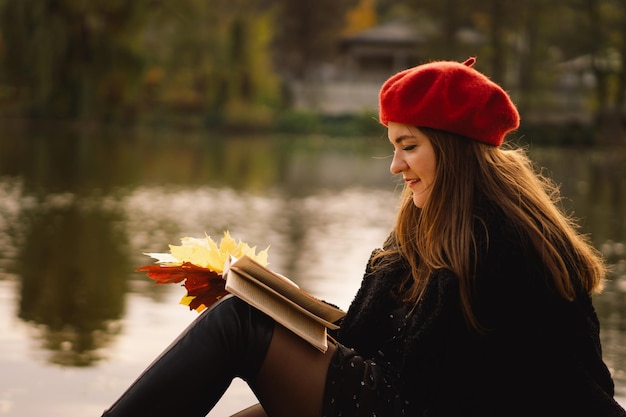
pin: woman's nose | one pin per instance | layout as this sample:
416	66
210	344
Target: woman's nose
397	164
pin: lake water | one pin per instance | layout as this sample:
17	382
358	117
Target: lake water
78	208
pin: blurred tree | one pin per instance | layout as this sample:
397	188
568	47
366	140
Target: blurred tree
530	52
224	60
604	23
472	27
499	30
592	34
71	58
115	59
450	17
360	17
307	33
213	58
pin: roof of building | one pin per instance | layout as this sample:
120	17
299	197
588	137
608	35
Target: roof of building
399	31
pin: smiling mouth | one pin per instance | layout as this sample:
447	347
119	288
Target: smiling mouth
411	181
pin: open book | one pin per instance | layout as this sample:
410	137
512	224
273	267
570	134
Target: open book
282	300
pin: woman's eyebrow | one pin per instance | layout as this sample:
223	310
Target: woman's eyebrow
402	138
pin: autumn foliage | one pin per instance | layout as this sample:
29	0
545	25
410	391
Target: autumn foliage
198	264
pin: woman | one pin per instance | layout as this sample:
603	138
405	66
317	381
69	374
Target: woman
478	304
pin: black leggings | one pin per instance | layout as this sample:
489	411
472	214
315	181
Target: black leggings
229	340
233	339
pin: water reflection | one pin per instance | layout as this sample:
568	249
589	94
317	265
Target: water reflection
72	263
594	184
77	209
312	238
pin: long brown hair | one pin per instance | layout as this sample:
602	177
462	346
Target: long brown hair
440	234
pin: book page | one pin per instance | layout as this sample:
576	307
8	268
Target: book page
241	274
284	313
287	289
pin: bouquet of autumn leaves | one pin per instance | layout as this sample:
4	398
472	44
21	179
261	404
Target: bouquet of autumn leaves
199	265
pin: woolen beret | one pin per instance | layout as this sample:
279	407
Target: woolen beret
449	96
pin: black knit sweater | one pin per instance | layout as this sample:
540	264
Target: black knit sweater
541	354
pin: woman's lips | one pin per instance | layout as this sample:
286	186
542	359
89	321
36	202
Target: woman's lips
411	181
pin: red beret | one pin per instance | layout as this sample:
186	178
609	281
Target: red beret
449	96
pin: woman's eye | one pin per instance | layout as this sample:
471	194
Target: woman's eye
409	147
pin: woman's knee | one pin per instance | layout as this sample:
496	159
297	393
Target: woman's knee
247	331
293	376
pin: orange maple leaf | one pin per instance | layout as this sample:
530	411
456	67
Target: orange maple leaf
204	293
166	274
204	285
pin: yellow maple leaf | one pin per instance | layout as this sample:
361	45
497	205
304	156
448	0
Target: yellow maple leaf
206	253
187	299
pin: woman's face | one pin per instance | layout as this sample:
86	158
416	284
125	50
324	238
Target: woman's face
414	158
